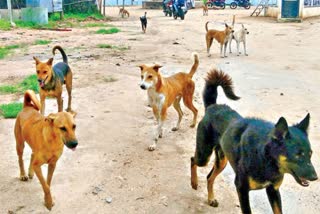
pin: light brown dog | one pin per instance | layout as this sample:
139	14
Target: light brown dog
221	36
51	78
123	12
205	10
165	91
46	136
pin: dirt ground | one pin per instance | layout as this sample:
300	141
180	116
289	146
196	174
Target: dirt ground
115	126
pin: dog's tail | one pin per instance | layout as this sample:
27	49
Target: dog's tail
64	56
214	79
207	25
30	99
195	64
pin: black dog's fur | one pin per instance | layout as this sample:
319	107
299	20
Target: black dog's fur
143	20
259	152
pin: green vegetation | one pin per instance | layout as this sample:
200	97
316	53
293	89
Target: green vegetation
42	42
121	48
97	24
4	51
108	31
4	25
10	110
204	2
30	82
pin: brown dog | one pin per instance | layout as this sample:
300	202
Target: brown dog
163	92
205	10
51	79
123	12
221	36
46	137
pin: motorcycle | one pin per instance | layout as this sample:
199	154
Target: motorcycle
179	9
241	3
167	7
216	3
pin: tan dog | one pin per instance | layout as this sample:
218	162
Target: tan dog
165	91
51	80
205	10
221	36
123	12
46	136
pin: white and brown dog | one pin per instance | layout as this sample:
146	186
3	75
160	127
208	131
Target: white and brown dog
239	36
165	91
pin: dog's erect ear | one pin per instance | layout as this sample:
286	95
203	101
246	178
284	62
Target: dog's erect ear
51	117
226	24
37	60
141	66
50	61
156	67
304	124
242	25
73	114
280	129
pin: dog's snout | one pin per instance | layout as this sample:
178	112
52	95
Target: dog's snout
248	32
143	87
72	144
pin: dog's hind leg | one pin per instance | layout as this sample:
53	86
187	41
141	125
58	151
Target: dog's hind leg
31	172
274	199
209	43
194	174
187	99
177	107
219	164
20	148
69	89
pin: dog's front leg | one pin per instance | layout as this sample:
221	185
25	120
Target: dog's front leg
238	51
274	199
243	194
245	48
43	103
46	188
60	103
230	46
51	168
221	49
225	49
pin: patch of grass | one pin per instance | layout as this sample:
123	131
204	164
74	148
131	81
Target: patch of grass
108	31
114	47
110	79
4	25
97	24
10	110
42	42
30	82
4	51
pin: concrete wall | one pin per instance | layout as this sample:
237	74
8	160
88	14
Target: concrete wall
310	11
305	12
16	14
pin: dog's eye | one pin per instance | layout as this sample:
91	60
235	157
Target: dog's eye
63	129
74	127
38	72
150	76
45	72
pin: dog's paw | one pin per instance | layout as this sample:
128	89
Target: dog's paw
192	125
213	203
23	178
209	55
30	175
48	202
194	184
160	135
175	129
152	147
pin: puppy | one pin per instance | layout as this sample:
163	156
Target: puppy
205	10
239	36
143	20
51	78
260	152
46	136
221	36
165	91
123	12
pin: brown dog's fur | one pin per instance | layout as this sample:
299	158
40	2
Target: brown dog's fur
52	84
46	137
221	36
123	12
205	10
163	92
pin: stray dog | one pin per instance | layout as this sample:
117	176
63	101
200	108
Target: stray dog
143	20
205	10
123	12
165	91
221	36
46	136
259	151
239	36
51	79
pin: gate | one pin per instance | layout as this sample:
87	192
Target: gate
290	9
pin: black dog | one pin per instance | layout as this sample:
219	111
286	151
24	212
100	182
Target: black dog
259	152
143	20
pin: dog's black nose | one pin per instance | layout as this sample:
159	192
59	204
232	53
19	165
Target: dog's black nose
143	87
39	80
72	144
248	32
